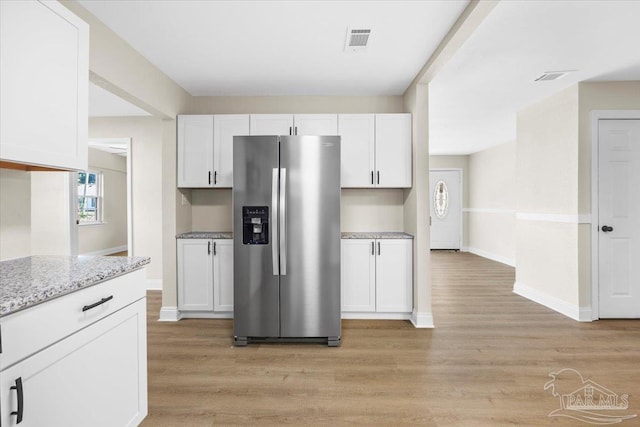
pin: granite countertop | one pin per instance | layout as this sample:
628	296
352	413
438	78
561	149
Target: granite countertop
376	235
25	282
206	235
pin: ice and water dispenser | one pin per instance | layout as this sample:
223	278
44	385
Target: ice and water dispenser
255	225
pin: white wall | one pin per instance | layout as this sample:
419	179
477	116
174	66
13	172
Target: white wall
492	203
111	235
147	182
15	214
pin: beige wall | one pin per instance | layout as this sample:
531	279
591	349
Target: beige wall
15	214
547	184
147	181
492	203
112	233
462	163
52	210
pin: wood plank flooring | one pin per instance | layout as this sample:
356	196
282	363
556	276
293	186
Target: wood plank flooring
485	363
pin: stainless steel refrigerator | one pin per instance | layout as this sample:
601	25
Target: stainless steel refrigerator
286	236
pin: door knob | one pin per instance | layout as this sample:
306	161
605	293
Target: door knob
607	228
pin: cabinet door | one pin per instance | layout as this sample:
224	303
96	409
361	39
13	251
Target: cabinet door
315	124
225	127
195	274
95	377
195	151
393	150
223	275
357	153
44	84
394	272
357	271
271	124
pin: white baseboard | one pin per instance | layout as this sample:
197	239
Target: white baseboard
154	284
107	251
375	316
581	314
422	320
169	314
205	315
491	256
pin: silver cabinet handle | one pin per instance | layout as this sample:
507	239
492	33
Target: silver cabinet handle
274	221
371	177
283	221
295	129
215	177
378	177
378	248
373	248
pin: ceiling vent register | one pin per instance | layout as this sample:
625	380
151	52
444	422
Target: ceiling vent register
357	39
552	75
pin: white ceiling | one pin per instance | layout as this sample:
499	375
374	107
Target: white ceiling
103	103
282	47
474	99
297	48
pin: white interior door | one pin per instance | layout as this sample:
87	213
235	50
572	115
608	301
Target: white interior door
619	212
445	208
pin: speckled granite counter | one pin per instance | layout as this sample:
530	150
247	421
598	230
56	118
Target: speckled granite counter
25	282
206	235
376	235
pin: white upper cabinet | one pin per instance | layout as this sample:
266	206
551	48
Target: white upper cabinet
44	84
294	124
393	150
205	149
271	124
315	124
376	150
225	127
357	132
195	151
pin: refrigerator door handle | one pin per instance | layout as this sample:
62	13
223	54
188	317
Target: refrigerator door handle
274	221
283	222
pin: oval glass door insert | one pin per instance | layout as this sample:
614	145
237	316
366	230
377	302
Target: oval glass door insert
441	199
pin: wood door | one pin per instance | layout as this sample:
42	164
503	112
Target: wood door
445	208
358	275
223	275
394	272
195	274
315	124
195	151
95	377
357	132
225	127
619	209
393	150
271	124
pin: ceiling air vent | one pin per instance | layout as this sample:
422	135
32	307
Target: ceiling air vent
357	39
552	75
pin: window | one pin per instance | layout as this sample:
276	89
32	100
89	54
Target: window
89	209
441	199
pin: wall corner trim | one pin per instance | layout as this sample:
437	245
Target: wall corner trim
581	314
169	314
422	320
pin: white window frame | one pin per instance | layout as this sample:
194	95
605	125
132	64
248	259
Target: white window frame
99	199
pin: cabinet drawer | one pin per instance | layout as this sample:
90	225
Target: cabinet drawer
30	330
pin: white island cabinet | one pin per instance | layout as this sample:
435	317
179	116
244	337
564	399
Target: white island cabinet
77	360
44	84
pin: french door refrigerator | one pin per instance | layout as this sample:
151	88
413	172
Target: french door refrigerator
286	232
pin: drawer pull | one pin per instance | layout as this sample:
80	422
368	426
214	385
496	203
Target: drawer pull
18	389
95	304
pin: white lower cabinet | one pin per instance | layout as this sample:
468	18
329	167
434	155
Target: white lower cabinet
377	278
97	376
205	277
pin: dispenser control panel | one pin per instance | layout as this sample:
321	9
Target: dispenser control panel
255	225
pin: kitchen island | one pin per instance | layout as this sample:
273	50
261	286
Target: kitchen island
73	341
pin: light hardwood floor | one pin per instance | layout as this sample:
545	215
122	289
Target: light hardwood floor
485	363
